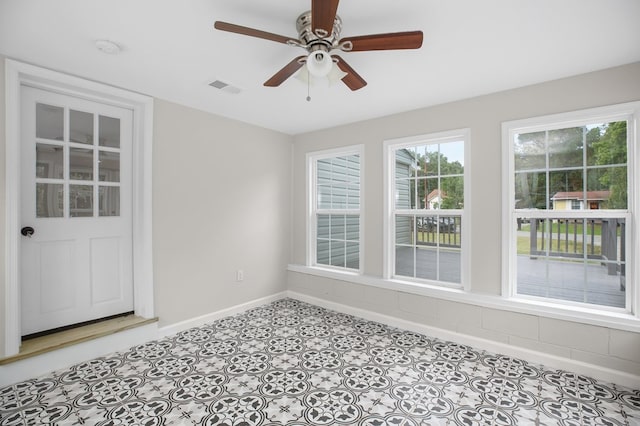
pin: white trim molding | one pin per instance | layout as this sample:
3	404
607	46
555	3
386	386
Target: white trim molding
19	74
214	316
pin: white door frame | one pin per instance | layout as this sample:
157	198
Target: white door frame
18	74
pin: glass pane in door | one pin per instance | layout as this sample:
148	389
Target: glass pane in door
109	166
49	199
109	201
81	127
80	164
80	200
49	161
109	132
49	122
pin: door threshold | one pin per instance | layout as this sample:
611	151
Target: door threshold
51	342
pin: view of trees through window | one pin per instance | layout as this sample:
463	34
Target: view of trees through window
435	180
577	162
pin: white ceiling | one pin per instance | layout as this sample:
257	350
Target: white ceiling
170	50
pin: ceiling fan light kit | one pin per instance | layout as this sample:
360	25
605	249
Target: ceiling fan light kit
319	34
319	63
334	76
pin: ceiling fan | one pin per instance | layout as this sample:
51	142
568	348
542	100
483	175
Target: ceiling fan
319	34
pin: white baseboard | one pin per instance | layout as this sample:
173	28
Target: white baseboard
208	318
534	357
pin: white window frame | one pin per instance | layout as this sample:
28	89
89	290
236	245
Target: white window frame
312	210
390	146
631	113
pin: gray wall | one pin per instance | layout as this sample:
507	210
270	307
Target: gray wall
484	116
221	202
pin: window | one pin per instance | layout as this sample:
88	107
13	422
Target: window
334	205
427	186
568	208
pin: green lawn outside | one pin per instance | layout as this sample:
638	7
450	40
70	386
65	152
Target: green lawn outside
523	247
597	228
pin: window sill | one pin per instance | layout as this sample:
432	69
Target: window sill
614	320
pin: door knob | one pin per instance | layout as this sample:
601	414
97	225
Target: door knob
27	231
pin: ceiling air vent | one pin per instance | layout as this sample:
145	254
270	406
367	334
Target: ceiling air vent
225	87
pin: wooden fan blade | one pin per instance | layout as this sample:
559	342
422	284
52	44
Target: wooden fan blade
239	29
286	72
323	14
388	41
352	79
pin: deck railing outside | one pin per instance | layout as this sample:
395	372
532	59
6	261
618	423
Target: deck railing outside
599	239
444	230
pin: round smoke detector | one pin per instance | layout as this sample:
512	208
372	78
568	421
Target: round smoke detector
107	46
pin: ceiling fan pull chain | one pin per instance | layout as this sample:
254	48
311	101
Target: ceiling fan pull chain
308	86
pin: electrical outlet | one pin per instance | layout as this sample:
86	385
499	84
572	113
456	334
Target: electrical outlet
239	275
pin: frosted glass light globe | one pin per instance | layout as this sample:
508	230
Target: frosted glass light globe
319	63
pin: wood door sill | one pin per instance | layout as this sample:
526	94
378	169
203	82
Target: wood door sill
51	342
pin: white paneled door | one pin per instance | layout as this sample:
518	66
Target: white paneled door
76	209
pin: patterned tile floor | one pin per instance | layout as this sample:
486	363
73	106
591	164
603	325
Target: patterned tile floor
290	363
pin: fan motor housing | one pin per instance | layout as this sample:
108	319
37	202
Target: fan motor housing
317	41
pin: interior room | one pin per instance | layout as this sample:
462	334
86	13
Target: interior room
321	212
